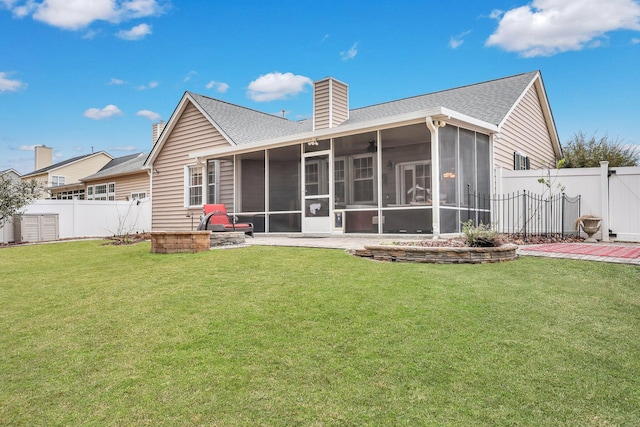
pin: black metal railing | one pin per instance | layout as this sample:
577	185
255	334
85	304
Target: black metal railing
525	214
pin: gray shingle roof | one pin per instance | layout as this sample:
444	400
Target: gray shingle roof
120	166
244	125
488	101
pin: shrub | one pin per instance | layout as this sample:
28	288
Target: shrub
480	235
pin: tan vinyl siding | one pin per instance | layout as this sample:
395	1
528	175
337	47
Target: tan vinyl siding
321	105
74	172
125	184
340	103
134	183
526	132
226	184
192	132
331	103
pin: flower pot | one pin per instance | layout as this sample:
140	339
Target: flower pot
590	226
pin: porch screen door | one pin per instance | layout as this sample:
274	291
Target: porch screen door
316	194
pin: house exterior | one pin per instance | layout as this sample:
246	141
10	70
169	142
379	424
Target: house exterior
63	179
10	174
403	166
123	178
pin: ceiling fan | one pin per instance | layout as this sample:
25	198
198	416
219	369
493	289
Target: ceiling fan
372	148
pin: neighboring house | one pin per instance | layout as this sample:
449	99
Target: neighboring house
11	174
403	166
123	178
63	178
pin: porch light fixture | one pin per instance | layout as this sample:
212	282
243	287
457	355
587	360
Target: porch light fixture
449	175
313	142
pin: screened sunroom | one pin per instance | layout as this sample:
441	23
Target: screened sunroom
378	181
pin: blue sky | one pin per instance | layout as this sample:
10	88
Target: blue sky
95	74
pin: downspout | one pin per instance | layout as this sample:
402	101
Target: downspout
435	175
150	172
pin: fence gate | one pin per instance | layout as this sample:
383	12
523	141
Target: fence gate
624	203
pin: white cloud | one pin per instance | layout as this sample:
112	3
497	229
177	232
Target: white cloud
496	14
548	27
123	148
89	35
154	117
136	33
151	85
456	41
9	85
108	111
115	81
272	86
189	75
78	14
27	147
351	53
218	86
635	40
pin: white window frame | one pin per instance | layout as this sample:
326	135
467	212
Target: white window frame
57	180
401	189
345	179
521	161
90	192
188	185
111	191
139	195
353	179
100	195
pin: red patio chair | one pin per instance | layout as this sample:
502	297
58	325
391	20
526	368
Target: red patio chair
216	219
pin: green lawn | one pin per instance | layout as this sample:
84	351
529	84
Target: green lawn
114	335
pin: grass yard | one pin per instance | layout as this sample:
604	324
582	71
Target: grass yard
115	335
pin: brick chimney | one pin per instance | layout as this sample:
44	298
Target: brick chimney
156	131
330	103
43	157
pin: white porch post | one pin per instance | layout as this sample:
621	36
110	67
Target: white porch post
435	177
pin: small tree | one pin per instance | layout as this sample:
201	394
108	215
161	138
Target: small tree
583	152
15	195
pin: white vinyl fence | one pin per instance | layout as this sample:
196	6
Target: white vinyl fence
90	218
610	193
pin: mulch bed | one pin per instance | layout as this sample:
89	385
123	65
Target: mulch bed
503	239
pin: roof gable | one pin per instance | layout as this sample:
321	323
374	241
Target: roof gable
66	163
243	125
120	166
488	101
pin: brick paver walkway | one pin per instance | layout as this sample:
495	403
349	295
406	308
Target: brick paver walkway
606	252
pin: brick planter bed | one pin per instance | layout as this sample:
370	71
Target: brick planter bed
439	255
173	242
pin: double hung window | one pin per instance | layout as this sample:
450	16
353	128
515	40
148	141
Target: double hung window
363	179
193	186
